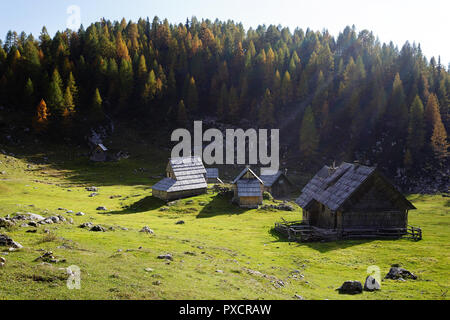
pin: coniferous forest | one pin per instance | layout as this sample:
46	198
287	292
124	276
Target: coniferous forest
345	98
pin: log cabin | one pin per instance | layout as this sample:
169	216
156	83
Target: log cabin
185	178
248	189
278	184
354	201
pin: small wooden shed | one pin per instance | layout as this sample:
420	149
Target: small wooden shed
355	201
248	189
99	153
185	178
277	184
212	176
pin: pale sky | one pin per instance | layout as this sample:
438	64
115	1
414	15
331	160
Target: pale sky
424	22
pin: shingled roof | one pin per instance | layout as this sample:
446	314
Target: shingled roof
332	187
239	177
189	175
269	180
212	173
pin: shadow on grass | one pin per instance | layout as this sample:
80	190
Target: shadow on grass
219	206
147	204
322	247
75	167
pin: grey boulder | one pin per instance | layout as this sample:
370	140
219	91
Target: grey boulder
371	284
351	287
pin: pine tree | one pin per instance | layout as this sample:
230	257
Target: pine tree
416	130
233	105
309	137
192	96
122	49
222	104
397	116
266	115
150	88
439	142
28	94
69	104
182	118
286	88
71	84
432	114
55	96
97	113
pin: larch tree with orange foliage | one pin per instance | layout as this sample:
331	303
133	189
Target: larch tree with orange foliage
40	121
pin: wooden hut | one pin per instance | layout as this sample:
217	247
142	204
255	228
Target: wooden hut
99	153
212	176
185	178
353	201
248	189
278	184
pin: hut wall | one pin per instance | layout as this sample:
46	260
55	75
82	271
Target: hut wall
281	187
185	194
159	194
98	156
374	219
325	218
169	196
250	202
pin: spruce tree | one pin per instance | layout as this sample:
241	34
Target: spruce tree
97	113
416	130
192	96
182	118
55	96
309	137
286	88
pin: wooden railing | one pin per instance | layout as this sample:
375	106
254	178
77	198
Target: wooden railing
414	233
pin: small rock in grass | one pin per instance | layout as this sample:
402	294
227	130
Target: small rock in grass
298	297
397	273
54	219
2	260
6	223
219	271
86	225
69	211
157	283
80	214
92	189
147	230
31	231
166	257
102	209
98	229
33	224
164	209
6	241
180	222
149	270
93	195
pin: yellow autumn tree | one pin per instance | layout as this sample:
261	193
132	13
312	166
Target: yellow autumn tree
40	121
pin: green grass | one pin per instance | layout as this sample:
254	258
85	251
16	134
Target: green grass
216	236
